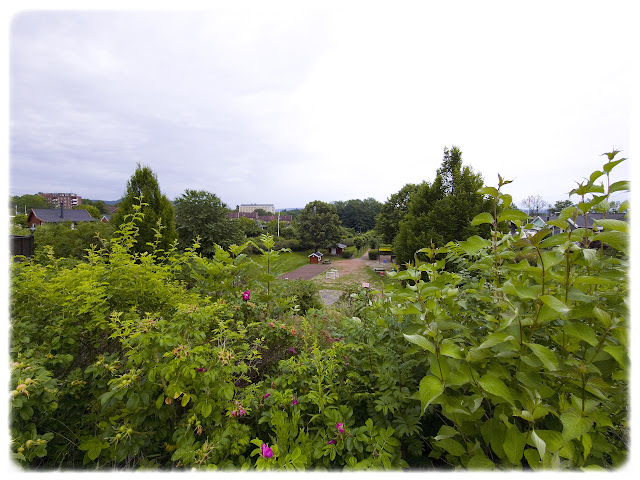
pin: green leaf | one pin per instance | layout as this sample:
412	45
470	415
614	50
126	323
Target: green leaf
493	385
511	214
488	191
480	462
574	425
615	239
451	446
430	389
513	445
567	213
481	218
446	432
474	244
495	339
421	342
617	352
612	224
539	443
581	331
206	410
555	304
617	186
546	356
451	350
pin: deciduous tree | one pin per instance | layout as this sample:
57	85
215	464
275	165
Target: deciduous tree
319	225
202	214
392	212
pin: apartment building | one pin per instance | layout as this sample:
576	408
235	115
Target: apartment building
252	207
67	200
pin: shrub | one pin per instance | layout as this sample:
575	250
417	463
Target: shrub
349	252
373	254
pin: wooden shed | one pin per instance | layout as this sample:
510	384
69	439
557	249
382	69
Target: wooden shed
315	257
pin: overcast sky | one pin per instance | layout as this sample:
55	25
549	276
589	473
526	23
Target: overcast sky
286	105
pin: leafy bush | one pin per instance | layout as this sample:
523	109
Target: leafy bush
373	254
349	252
501	352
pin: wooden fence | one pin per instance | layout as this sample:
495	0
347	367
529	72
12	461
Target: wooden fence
21	245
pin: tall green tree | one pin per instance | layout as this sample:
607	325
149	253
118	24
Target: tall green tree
358	214
93	211
102	207
24	203
393	212
157	209
319	225
442	211
202	214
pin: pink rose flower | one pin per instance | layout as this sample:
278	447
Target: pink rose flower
331	442
266	451
294	401
340	427
246	294
266	395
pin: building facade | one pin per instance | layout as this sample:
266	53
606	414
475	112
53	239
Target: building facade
68	200
252	207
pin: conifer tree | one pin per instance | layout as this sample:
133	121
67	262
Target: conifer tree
156	207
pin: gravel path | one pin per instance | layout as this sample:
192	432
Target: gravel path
352	271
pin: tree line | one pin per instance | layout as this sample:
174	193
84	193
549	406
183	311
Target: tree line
427	213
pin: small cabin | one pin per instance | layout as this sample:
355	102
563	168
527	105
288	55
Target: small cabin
337	250
315	257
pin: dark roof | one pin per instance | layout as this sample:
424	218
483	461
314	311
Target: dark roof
590	218
52	215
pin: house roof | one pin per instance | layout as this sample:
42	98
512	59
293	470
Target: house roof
316	254
342	245
579	221
52	215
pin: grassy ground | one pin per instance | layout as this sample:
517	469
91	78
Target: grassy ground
286	262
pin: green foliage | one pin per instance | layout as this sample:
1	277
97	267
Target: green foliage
201	214
93	211
22	204
470	359
66	242
349	252
393	212
157	225
358	214
528	363
102	207
441	212
319	225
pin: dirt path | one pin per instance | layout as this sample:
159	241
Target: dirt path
350	272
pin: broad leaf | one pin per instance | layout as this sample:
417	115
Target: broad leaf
513	445
582	331
430	389
481	218
421	342
474	244
546	356
555	304
493	385
612	224
511	214
574	425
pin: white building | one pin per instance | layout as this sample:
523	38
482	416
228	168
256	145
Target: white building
252	207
